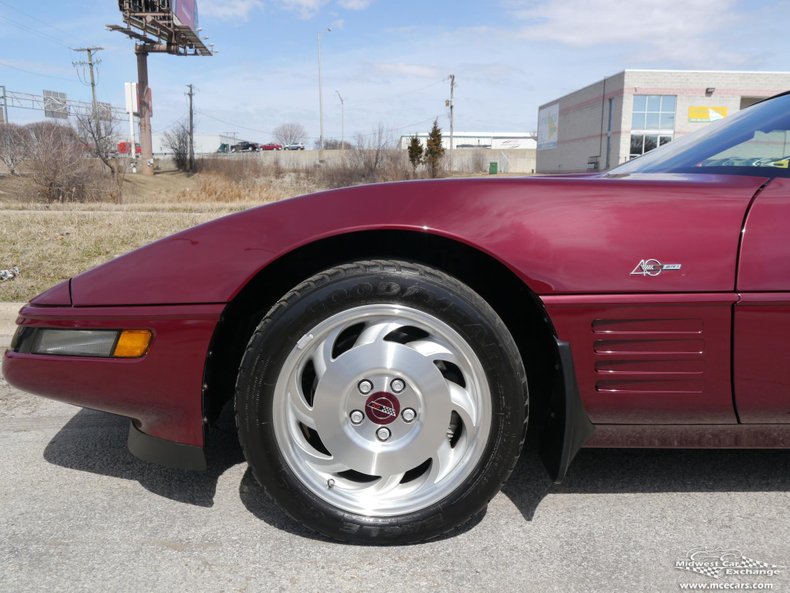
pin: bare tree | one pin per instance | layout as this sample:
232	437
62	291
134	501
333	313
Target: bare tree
287	134
14	146
370	151
100	136
177	140
335	144
57	162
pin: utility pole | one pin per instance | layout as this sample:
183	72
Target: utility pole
451	104
342	121
90	64
3	106
190	94
321	100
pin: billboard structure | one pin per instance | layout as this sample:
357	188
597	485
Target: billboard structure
158	26
171	25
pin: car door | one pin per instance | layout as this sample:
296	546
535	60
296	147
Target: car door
762	316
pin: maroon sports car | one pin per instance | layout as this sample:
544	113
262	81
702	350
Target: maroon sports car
383	344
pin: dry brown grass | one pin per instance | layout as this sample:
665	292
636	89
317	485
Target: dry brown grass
215	188
53	245
50	242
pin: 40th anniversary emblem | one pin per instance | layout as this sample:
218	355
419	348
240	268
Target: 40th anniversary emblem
653	267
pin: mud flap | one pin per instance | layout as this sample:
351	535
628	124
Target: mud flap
567	427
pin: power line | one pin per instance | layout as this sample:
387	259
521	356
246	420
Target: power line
50	38
384	98
234	124
6	65
33	17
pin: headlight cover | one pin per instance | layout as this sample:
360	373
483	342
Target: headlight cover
82	342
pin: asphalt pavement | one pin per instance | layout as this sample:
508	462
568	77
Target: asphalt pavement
79	513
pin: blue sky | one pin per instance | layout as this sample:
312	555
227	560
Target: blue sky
390	59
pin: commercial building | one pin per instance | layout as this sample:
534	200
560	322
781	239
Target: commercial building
625	115
493	140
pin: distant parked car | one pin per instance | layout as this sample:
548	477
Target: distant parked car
271	146
294	146
244	146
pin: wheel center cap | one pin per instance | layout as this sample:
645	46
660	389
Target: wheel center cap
382	407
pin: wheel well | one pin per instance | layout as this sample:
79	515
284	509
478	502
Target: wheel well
518	306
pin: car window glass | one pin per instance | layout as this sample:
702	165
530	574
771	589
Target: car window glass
754	141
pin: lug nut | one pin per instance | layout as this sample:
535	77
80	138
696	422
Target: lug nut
408	415
397	385
357	417
365	387
383	433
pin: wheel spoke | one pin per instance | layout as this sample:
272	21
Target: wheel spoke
376	332
322	463
441	464
385	485
297	404
433	350
322	357
463	405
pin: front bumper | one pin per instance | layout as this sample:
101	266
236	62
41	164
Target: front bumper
160	392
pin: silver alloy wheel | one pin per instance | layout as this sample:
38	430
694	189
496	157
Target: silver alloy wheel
348	464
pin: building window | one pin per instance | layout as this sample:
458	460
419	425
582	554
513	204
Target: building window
642	143
652	122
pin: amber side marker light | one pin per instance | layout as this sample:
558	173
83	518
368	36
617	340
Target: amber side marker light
132	343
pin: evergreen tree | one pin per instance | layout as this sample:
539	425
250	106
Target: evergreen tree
415	153
434	151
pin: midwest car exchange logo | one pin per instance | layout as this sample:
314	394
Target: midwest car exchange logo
717	563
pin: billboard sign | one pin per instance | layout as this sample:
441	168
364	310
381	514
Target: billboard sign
699	113
55	105
548	126
185	13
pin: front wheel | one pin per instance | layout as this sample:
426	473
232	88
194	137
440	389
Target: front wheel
381	402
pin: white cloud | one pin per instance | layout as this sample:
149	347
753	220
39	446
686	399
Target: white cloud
240	10
306	8
662	28
409	70
230	10
354	4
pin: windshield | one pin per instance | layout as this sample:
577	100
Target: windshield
755	141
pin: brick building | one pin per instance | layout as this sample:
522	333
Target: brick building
625	115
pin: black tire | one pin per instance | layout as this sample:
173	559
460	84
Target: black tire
338	293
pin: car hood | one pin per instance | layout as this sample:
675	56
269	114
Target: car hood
559	235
